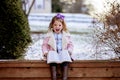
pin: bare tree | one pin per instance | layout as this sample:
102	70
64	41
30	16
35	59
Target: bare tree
24	3
109	34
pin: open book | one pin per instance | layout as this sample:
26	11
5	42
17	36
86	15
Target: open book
54	57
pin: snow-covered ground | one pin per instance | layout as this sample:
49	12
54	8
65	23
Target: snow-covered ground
83	41
83	48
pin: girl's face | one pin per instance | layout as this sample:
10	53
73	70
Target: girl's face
57	27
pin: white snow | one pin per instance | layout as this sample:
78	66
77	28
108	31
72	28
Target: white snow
83	42
83	49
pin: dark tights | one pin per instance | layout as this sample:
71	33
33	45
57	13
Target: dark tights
64	69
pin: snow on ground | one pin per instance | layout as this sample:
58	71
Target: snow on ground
83	49
83	42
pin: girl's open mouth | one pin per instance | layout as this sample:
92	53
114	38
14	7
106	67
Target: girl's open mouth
57	30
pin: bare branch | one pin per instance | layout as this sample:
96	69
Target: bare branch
27	14
109	34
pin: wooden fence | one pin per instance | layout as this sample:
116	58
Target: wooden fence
78	70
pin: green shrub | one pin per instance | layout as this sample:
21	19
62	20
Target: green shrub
14	30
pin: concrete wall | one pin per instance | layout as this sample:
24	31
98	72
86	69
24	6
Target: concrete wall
75	22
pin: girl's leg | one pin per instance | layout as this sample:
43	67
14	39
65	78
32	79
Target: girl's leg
53	70
64	67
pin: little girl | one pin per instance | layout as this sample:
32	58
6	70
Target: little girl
57	46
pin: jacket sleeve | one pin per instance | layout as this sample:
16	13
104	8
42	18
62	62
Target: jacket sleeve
45	46
70	45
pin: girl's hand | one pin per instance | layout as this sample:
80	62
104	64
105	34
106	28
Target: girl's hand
45	56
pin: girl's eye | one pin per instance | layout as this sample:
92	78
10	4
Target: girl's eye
59	25
55	24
